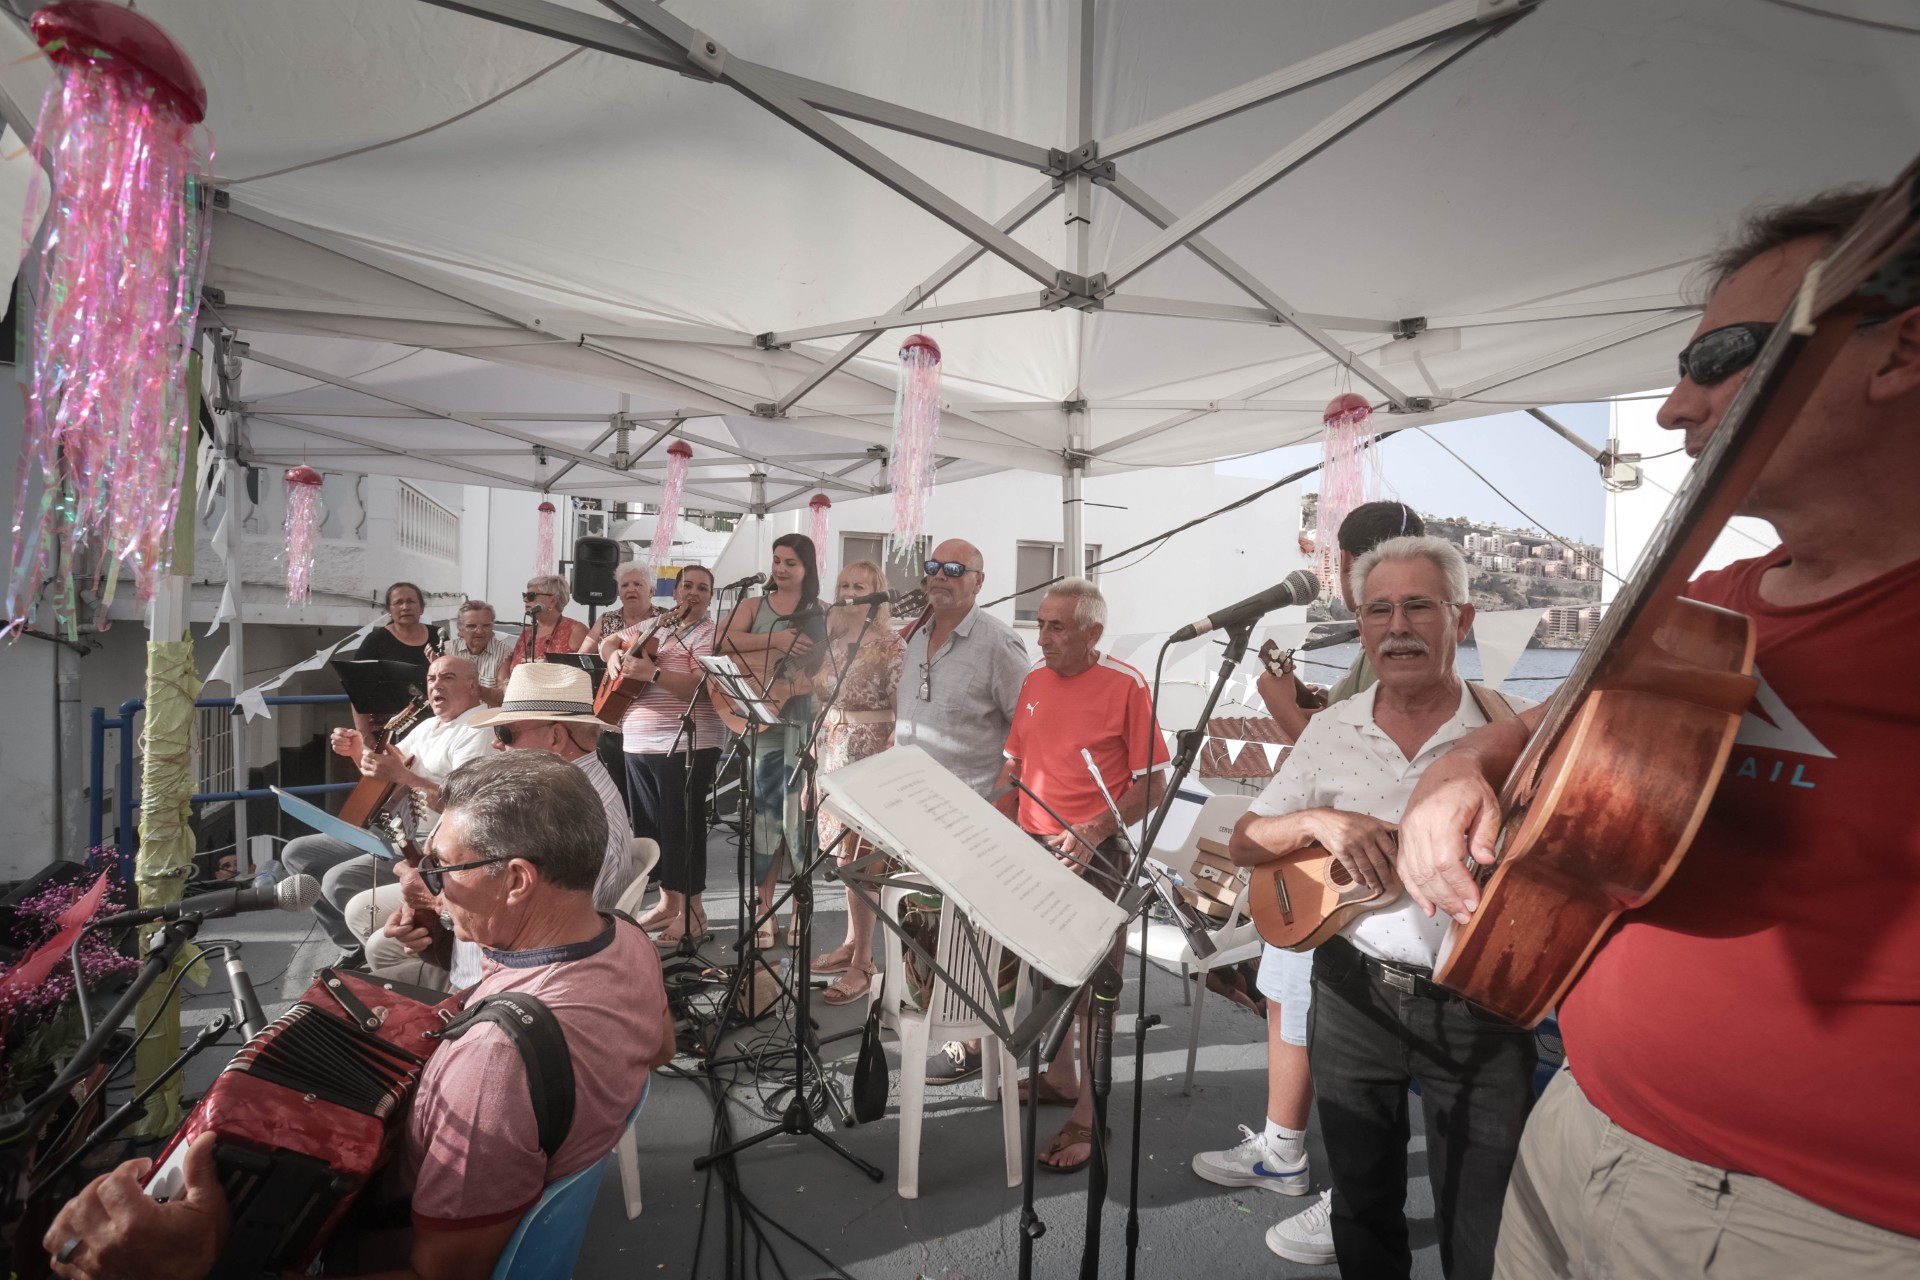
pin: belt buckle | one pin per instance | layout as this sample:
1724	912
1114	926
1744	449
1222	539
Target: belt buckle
1397	980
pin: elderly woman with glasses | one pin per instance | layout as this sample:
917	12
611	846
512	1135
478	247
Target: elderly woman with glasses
552	631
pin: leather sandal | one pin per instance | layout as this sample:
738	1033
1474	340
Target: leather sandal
1070	1135
1050	1094
838	960
853	985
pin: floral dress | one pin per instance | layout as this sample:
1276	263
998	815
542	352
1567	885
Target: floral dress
860	721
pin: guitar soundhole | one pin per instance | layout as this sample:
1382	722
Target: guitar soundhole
1338	873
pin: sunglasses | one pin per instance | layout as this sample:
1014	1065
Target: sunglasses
434	876
503	734
1718	354
950	568
536	595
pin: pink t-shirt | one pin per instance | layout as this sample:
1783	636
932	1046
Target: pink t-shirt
473	1147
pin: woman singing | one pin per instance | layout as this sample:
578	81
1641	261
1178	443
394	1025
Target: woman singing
636	605
552	630
405	638
780	636
857	681
660	756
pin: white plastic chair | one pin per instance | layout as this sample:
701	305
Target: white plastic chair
1233	941
645	854
946	1017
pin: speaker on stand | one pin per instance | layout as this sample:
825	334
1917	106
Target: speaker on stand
596	569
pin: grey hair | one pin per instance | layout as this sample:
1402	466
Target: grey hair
1089	606
552	583
1443	554
636	569
530	805
474	606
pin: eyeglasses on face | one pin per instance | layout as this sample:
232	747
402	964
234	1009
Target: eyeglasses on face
1416	609
950	568
536	595
434	876
1718	354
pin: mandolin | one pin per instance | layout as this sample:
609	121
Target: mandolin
425	914
370	795
1599	809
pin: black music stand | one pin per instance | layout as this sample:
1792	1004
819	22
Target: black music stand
379	688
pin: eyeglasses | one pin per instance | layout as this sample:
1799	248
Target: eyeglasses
503	734
1718	354
536	595
951	568
1418	610
434	876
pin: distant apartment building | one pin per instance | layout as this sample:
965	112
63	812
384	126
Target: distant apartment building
1571	624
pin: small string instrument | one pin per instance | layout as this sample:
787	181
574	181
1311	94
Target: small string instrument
424	914
371	795
617	692
1279	663
1603	802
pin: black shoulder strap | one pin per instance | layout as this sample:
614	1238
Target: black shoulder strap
536	1033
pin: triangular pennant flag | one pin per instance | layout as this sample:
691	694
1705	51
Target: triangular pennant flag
1502	638
254	703
222	672
1274	751
227	610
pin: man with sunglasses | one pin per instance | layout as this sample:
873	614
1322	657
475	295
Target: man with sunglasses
1740	1050
433	750
959	685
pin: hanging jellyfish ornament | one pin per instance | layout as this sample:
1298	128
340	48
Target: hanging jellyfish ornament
818	507
111	282
916	434
679	461
1349	474
303	531
543	544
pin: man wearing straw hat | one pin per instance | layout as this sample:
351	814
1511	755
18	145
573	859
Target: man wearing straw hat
548	707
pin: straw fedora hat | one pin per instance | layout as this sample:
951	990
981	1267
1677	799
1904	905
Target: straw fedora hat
545	691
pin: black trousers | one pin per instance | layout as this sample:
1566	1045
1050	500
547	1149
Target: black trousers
657	794
1365	1042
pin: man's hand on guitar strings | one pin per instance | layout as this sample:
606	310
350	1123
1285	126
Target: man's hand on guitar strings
1361	844
1453	815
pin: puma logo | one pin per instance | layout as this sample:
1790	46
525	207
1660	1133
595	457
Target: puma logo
1032	707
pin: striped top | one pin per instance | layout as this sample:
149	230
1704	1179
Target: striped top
652	723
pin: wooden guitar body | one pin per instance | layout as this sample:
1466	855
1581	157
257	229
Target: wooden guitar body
618	693
1306	897
1616	804
372	795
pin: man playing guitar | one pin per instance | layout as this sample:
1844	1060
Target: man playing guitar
1741	1049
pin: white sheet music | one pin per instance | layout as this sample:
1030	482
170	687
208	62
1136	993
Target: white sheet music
1006	883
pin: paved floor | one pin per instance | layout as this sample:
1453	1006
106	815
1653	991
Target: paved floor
964	1226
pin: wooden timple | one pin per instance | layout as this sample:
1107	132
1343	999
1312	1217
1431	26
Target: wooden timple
1307	896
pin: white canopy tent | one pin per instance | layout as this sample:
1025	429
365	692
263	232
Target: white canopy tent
519	242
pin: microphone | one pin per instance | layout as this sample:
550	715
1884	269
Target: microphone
535	608
872	597
296	893
751	580
246	1005
1299	587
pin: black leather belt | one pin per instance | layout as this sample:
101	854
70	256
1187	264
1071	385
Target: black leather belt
1400	977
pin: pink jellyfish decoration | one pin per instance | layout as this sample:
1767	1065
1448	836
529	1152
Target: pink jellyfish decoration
679	461
303	531
916	434
112	274
818	507
543	544
1349	474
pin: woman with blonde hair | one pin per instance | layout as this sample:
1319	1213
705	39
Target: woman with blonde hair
552	631
636	606
857	680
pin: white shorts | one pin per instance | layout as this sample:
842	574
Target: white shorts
1286	980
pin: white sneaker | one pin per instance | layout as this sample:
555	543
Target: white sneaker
1307	1236
1251	1165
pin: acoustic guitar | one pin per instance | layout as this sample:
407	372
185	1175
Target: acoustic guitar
1601	805
388	828
1307	896
371	795
617	693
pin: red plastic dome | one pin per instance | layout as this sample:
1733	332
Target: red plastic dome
303	475
819	500
680	449
922	341
117	38
1349	403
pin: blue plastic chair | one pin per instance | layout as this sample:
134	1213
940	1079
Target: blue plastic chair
547	1242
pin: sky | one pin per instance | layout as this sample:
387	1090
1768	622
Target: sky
1557	485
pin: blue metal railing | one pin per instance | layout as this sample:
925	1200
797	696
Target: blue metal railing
126	794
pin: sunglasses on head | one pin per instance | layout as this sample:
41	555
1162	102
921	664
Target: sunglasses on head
950	568
434	876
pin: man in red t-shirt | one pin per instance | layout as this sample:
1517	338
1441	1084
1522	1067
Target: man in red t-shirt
1079	700
1741	1050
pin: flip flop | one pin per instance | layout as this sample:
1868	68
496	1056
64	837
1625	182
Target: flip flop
1070	1135
854	985
1050	1095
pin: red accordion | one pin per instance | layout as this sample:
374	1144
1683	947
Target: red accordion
306	1113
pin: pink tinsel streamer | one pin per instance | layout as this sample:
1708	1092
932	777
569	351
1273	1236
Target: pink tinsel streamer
303	533
115	270
820	508
679	460
1349	476
543	552
916	435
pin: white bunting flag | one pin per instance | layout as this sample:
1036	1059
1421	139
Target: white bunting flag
1502	638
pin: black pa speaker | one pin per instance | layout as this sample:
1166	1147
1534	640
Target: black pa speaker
596	566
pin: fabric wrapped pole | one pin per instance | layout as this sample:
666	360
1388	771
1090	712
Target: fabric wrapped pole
679	461
303	531
543	547
1349	475
819	508
112	275
916	436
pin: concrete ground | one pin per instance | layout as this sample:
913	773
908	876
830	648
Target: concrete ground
964	1225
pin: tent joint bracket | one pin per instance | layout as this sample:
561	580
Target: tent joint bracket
1501	10
1082	293
767	409
1412	404
708	56
765	342
1082	159
1411	326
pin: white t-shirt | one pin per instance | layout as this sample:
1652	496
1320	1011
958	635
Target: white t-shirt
438	747
1345	761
